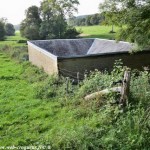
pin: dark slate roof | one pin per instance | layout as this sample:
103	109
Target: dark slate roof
82	47
63	48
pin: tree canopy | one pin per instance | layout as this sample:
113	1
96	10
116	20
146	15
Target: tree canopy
49	21
30	26
133	17
53	13
6	29
10	30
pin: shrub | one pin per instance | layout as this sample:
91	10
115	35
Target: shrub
22	41
71	33
47	89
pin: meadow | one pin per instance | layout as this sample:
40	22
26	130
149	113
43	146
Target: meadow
35	108
99	31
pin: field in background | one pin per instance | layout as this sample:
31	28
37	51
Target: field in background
97	32
13	40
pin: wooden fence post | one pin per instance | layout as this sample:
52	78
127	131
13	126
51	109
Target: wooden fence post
125	88
67	85
78	78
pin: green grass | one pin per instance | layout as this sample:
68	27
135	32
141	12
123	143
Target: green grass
36	110
98	31
13	40
27	120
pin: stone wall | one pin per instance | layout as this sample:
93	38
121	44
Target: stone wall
42	59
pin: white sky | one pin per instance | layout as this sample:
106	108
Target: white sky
14	10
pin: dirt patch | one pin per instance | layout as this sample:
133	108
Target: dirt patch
82	35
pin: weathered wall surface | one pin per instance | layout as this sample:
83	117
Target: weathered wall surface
43	60
71	66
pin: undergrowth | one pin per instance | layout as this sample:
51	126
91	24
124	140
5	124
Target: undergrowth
36	109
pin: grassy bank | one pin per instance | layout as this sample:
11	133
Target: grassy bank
97	32
35	108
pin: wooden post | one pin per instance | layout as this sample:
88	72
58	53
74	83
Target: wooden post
67	85
125	88
78	80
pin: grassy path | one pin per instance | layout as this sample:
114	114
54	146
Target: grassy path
26	120
22	117
16	102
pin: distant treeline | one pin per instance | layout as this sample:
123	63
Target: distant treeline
86	20
6	29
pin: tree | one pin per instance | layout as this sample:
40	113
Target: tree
54	12
53	24
87	21
110	11
10	30
2	30
133	17
71	33
48	21
30	26
95	19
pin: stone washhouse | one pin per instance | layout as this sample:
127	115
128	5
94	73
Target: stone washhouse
70	56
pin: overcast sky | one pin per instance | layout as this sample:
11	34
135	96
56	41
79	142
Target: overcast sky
14	10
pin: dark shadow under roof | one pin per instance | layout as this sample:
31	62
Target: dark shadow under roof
82	47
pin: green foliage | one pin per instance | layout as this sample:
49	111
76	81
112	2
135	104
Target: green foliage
54	24
20	53
48	21
29	27
15	49
9	29
86	20
110	11
6	29
22	41
140	88
71	33
32	33
132	13
47	89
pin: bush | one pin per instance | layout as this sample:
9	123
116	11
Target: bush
71	33
22	41
46	89
16	52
